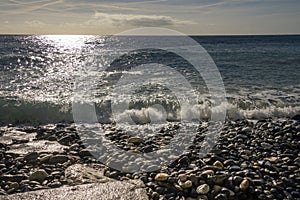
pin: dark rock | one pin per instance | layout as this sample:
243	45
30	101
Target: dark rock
194	179
65	140
58	159
218	179
38	175
229	162
161	190
258	182
266	145
237	180
295	194
184	161
234	168
31	156
221	197
193	193
296	117
84	153
13	178
55	184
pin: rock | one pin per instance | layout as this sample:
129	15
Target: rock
178	187
202	197
14	185
36	146
65	140
244	184
81	174
229	183
52	138
218	164
84	152
295	194
184	160
272	159
13	178
234	168
155	195
45	158
247	129
246	152
135	140
219	179
258	182
58	159
266	145
220	197
13	135
182	177
228	192
203	189
297	161
74	147
31	156
245	157
161	190
296	117
237	180
133	190
161	177
39	175
193	193
209	167
244	164
292	168
207	172
194	179
186	184
217	188
55	184
190	198
229	162
2	192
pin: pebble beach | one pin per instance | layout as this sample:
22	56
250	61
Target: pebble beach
251	160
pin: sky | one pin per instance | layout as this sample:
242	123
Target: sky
193	17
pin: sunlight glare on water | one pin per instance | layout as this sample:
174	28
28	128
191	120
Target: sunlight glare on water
70	42
45	69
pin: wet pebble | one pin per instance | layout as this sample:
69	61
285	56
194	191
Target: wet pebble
38	175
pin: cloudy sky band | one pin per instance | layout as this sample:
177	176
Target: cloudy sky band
195	17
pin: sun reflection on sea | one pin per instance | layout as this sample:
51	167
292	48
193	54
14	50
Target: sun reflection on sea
66	42
54	63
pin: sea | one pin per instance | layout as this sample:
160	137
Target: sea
40	74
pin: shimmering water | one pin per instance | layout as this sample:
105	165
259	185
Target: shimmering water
261	75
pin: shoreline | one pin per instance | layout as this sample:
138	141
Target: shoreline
250	161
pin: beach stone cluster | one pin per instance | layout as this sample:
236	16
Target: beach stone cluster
251	160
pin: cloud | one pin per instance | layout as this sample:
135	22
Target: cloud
34	23
135	20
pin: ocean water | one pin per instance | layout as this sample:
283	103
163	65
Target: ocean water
38	75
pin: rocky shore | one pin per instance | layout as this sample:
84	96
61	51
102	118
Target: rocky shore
251	160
